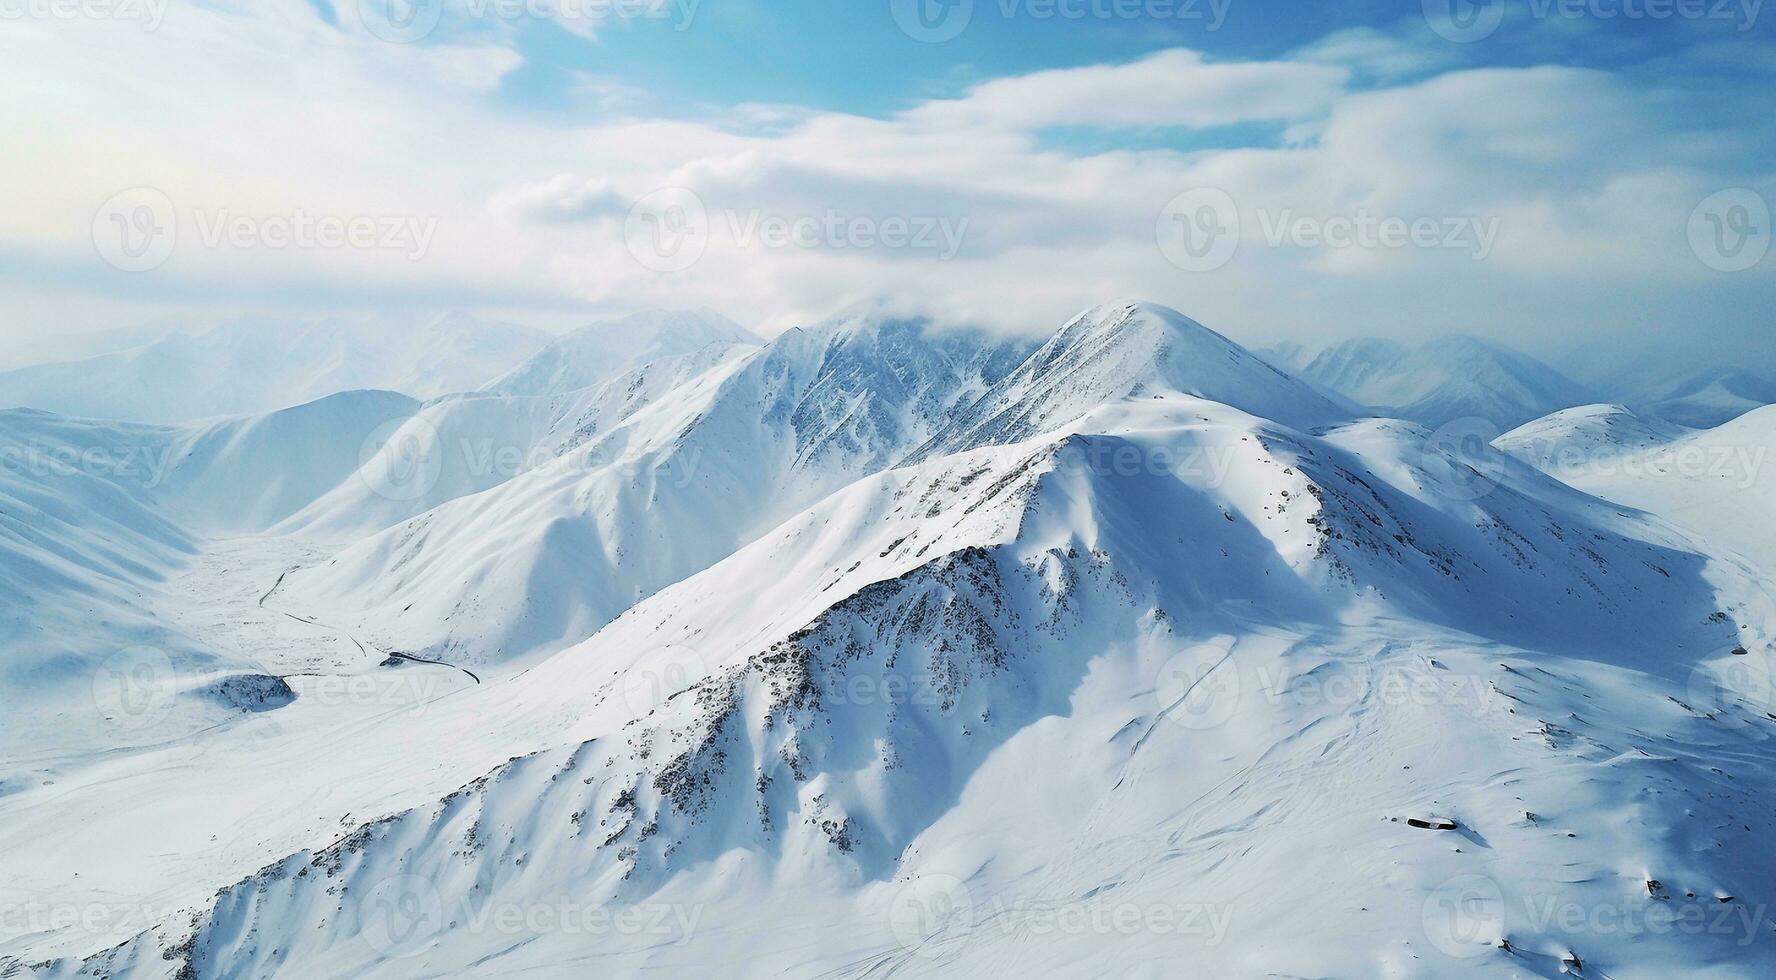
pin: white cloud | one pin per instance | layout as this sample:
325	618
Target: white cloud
1589	175
1378	53
1169	88
562	200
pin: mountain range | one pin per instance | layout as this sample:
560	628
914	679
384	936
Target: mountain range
889	647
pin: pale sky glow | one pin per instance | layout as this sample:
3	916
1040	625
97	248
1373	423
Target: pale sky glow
492	165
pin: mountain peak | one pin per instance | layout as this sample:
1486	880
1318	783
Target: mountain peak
1116	351
605	349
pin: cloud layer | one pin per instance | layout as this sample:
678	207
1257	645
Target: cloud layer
1044	192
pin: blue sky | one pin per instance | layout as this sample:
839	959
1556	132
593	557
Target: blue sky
1588	157
850	57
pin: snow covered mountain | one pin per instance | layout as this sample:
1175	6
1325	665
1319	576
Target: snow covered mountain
1709	398
1118	351
1710	482
745	775
1441	381
464	444
604	350
251	365
1576	438
548	557
886	649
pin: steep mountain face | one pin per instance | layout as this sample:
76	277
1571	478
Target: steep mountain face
1710	398
1353	365
251	472
1444	380
1202	662
250	366
602	351
1113	352
462	445
1576	438
548	557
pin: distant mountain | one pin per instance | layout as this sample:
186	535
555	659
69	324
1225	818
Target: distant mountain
253	365
1578	437
551	555
603	350
1123	350
464	444
1705	399
1441	381
1717	483
79	345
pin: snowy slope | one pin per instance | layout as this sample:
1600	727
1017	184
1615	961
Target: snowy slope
253	365
462	445
248	473
601	351
1575	438
1110	352
100	517
548	557
1173	705
1444	380
80	545
1718	483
